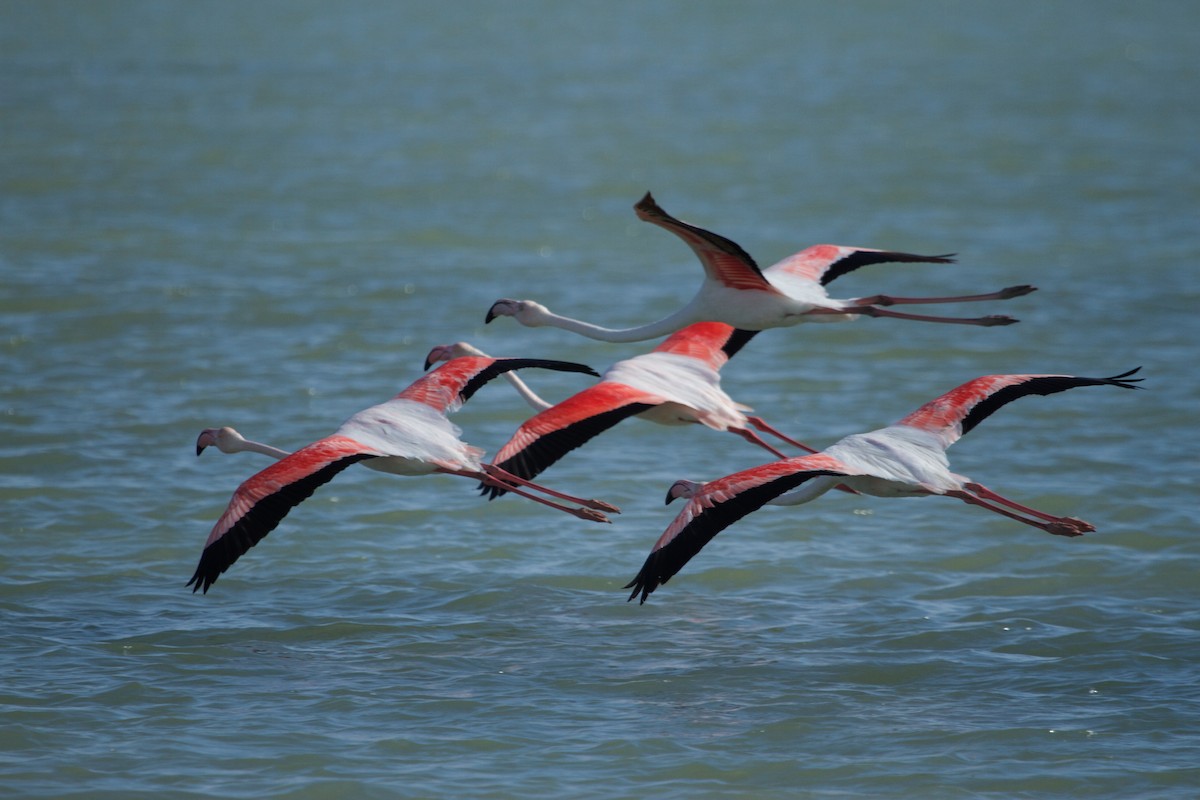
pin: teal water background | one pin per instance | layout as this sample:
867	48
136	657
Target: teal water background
265	214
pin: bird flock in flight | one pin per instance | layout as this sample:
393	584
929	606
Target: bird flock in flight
676	383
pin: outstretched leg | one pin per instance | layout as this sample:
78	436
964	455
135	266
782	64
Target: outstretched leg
1059	526
506	477
761	424
487	480
872	311
754	438
983	491
1006	293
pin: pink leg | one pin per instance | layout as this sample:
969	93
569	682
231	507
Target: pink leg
583	513
983	491
1059	526
753	438
759	423
987	322
888	300
504	476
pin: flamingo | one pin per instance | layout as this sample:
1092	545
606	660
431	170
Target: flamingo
735	291
408	435
906	459
678	383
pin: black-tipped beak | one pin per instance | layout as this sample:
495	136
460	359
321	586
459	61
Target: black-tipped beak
490	314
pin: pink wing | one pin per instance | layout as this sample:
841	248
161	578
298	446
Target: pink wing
955	413
720	503
549	435
709	342
453	383
824	263
264	499
723	259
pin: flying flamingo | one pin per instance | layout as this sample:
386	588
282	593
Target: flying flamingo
906	459
735	291
408	435
678	383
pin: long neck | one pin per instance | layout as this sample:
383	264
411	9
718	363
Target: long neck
530	397
265	449
641	333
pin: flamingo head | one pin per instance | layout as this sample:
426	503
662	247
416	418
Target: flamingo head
446	352
226	439
526	312
683	488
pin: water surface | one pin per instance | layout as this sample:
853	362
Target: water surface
266	215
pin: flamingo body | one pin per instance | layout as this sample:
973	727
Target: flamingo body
408	437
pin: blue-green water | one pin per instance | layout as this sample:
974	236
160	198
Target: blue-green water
265	214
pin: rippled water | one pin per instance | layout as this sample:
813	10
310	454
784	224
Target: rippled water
264	215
